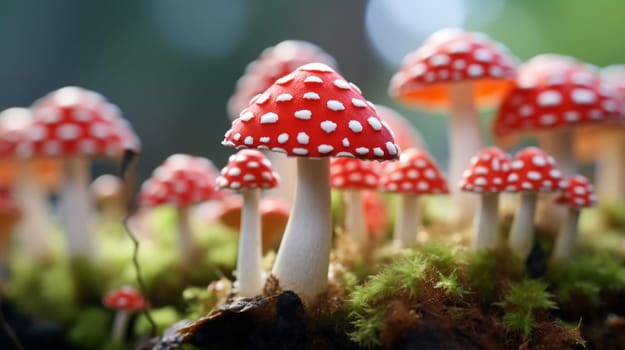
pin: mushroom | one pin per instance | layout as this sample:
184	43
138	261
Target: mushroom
249	171
577	194
73	125
125	301
273	63
415	174
459	71
353	176
311	113
532	171
487	176
182	180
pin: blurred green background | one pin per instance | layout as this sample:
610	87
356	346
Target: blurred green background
172	64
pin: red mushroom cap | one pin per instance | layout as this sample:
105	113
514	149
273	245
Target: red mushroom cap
452	55
578	193
181	180
313	112
76	122
532	170
348	173
488	171
405	134
126	298
274	62
554	91
248	169
415	172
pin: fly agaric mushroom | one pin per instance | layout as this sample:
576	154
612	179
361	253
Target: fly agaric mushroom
415	174
125	301
273	63
73	125
311	113
249	171
182	180
353	176
459	71
577	194
487	176
532	171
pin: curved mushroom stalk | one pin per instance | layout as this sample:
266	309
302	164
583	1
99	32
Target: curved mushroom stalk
355	217
186	242
521	237
249	259
487	223
34	203
565	243
120	325
610	168
77	207
304	255
465	140
407	222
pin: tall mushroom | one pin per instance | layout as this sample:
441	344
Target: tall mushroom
415	174
577	194
249	171
532	171
182	180
487	176
311	113
273	63
353	176
75	125
459	71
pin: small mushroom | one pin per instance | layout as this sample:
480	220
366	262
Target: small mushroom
352	176
532	171
125	301
182	180
577	194
487	176
414	175
249	171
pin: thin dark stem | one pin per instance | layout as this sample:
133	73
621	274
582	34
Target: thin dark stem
6	328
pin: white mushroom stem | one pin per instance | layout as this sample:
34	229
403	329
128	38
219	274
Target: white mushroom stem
557	143
249	259
486	234
407	222
565	243
465	140
287	168
120	325
610	168
76	201
521	237
355	217
35	222
304	256
186	242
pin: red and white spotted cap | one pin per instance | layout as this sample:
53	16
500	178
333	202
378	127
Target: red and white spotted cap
488	171
247	169
532	170
453	55
125	298
181	180
274	62
313	112
416	173
348	173
405	134
553	91
76	122
578	193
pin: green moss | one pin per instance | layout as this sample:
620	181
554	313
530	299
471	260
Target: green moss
91	328
163	318
451	285
520	303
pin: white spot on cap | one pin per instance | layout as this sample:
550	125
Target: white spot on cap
362	150
406	186
313	79
358	103
355	87
303	138
325	149
264	139
284	98
459	47
319	67
300	151
235	185
423	185
335	105
475	70
249	177
328	126
285	79
483	55
253	164
517	164
345	142
579	190
246	116
539	161
341	84
52	148
68	132
355	126
269	118
283	138
375	123
263	98
534	175
526	111
418	70
549	98
303	114
49	115
439	60
412	174
378	152
459	64
583	96
234	171
547	119
38	133
571	116
480	170
480	181
311	96
496	71
513	177
390	147
248	140
430	174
